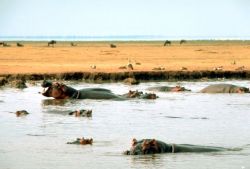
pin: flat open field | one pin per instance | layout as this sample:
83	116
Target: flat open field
37	57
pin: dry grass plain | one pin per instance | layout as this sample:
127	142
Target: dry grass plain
37	57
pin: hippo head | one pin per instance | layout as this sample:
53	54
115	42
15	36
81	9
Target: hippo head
133	94
146	146
84	141
178	89
56	90
149	96
242	90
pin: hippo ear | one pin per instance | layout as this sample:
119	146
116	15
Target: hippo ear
63	87
134	142
145	146
145	143
56	84
153	142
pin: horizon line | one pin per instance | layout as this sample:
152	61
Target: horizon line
119	37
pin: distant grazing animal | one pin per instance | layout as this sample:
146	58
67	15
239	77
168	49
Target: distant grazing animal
6	45
73	44
93	66
158	68
241	68
183	41
234	62
130	66
167	42
184	68
52	42
112	46
218	68
19	44
122	67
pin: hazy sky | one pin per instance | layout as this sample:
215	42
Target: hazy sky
125	17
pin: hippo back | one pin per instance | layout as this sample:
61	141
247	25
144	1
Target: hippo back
222	88
161	148
98	89
97	94
160	88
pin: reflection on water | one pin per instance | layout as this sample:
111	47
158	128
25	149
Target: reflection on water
39	139
54	102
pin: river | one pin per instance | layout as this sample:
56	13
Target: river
39	139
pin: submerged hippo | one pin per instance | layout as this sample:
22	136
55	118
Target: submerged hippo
139	95
62	91
168	89
152	146
224	88
21	113
81	113
82	141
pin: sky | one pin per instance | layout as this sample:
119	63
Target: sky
193	18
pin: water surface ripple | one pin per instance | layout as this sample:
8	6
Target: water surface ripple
39	139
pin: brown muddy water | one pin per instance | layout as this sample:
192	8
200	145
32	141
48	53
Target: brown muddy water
38	141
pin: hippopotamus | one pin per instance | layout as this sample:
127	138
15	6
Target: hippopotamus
82	141
224	88
62	91
81	113
153	146
140	95
168	89
21	113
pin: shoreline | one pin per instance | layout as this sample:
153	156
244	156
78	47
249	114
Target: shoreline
140	76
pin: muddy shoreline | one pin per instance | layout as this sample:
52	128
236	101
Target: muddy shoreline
99	77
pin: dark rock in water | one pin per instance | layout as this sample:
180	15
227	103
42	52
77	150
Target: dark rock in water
82	141
131	81
21	113
81	113
20	84
3	81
